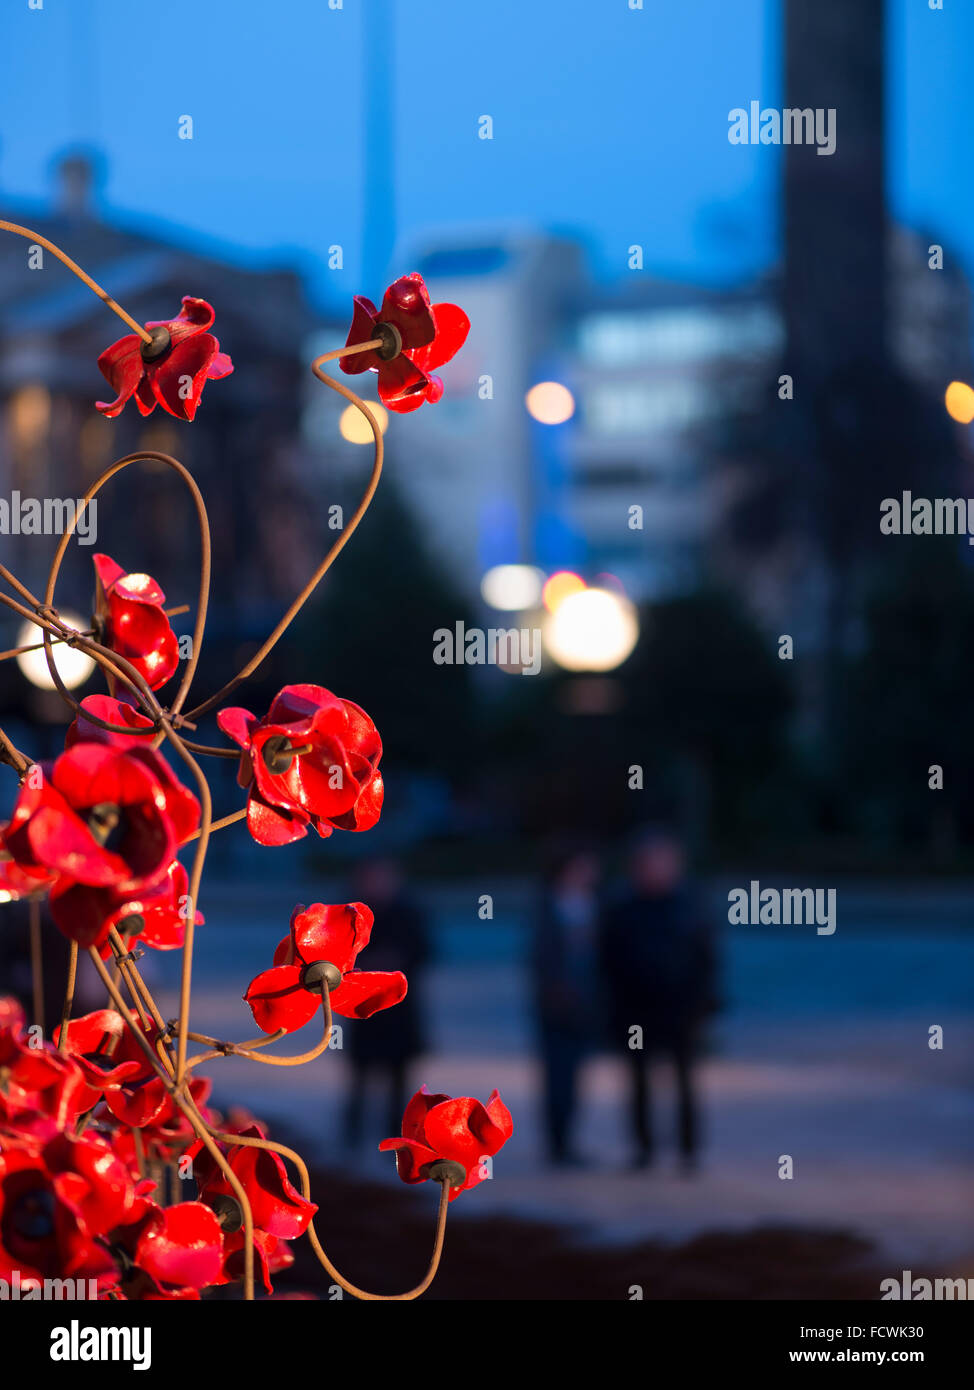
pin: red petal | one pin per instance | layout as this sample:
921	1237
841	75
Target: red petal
331	932
121	365
400	380
237	724
220	366
364	319
452	327
177	380
270	826
183	1247
364	992
107	570
278	1001
406	306
411	1157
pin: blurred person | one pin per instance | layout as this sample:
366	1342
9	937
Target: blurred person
658	963
564	968
384	1045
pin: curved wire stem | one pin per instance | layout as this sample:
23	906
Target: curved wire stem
73	266
339	545
323	1259
242	1050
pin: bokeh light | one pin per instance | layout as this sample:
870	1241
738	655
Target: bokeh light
550	403
512	587
355	428
74	667
959	400
559	587
591	630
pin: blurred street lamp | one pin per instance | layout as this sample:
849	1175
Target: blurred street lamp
591	630
550	403
959	400
512	587
74	666
560	586
355	428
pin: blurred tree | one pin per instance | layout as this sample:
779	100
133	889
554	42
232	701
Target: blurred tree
709	683
906	702
369	637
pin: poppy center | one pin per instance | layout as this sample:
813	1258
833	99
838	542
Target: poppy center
107	824
445	1170
131	925
227	1212
158	347
318	974
391	341
277	753
32	1216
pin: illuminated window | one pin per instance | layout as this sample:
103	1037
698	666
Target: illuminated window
29	416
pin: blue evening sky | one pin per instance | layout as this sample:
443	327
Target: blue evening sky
608	122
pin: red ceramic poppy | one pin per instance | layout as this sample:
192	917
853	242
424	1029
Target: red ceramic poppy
98	815
170	372
156	916
280	998
37	1079
419	337
130	617
436	1128
313	760
182	806
57	1203
94	1043
279	1211
172	1252
140	1096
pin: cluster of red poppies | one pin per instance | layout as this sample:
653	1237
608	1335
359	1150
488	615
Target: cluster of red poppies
81	1128
90	1120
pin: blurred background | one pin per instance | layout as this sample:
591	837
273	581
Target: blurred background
695	370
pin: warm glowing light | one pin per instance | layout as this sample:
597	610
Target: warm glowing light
559	587
592	630
959	400
356	429
74	667
512	587
550	403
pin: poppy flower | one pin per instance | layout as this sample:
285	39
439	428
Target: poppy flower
156	915
438	1129
418	337
181	805
97	815
312	760
172	370
279	1211
56	1203
37	1079
169	1252
136	1095
130	616
281	998
92	1044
